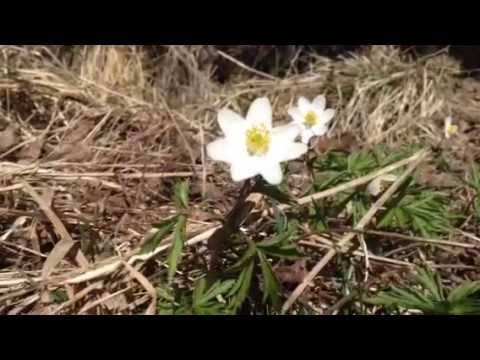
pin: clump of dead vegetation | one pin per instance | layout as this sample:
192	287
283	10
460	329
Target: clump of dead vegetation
94	138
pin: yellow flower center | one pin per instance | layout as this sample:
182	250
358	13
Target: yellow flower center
258	140
310	119
452	129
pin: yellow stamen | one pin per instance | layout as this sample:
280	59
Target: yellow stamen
258	140
452	129
310	119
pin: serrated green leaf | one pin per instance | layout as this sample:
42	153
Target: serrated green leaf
287	252
165	294
271	289
199	290
466	307
431	282
464	291
242	286
219	288
181	195
179	237
158	233
246	257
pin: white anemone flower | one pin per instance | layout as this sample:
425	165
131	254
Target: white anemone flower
252	147
449	128
312	117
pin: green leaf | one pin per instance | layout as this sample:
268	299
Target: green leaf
181	195
402	298
464	291
287	252
59	296
245	259
157	234
465	307
431	282
179	238
275	193
280	221
165	294
199	290
271	289
242	287
219	288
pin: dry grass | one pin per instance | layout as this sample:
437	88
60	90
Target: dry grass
102	134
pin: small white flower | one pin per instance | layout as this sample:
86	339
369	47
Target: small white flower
449	129
376	186
312	117
252	147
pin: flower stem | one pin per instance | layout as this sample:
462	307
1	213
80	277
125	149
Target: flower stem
233	220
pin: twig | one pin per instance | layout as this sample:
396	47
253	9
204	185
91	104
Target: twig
414	238
354	183
363	244
246	67
102	300
414	161
382	259
147	285
468	235
79	295
202	155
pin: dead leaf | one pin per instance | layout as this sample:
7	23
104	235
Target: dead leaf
62	248
432	177
71	152
291	274
31	152
8	137
79	132
345	141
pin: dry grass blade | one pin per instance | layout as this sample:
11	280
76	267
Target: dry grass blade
108	266
414	161
79	295
151	310
390	235
100	301
62	248
246	67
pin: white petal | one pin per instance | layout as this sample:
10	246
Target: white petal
319	103
272	174
243	169
296	115
304	105
260	112
319	130
230	122
282	139
327	116
294	151
286	133
221	150
306	135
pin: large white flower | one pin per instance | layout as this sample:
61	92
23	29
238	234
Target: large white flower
252	147
312	117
